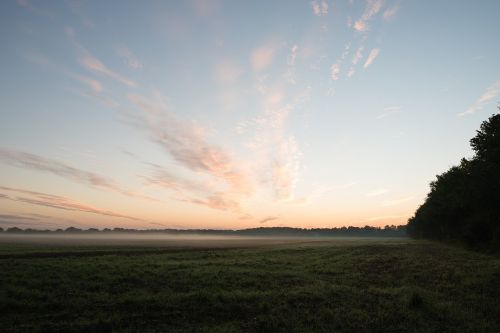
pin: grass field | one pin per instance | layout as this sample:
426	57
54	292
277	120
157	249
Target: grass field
279	285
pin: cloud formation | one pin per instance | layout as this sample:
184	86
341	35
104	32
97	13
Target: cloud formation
291	71
186	143
262	57
389	111
128	57
59	202
277	156
268	219
371	57
490	93
358	55
195	192
319	7
285	170
371	9
391	12
335	68
35	162
94	85
29	220
335	71
91	63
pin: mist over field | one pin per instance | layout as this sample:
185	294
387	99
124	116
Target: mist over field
154	240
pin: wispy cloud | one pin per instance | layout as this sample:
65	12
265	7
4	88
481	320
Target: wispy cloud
371	57
94	85
16	217
335	68
358	55
398	201
319	7
490	93
285	170
186	143
32	220
291	72
91	63
371	9
128	57
268	219
390	12
277	155
98	96
356	58
335	71
191	191
377	192
389	111
39	163
263	56
59	202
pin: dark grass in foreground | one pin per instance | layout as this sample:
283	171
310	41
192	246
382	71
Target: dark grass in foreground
295	286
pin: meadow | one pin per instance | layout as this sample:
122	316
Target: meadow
246	285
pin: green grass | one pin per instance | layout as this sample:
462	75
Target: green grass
351	285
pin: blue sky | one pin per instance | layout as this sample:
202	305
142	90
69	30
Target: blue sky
233	114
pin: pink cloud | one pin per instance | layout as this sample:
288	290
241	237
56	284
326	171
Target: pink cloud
389	13
371	57
36	162
358	55
59	202
285	169
334	72
186	143
291	72
262	57
277	154
372	8
320	8
93	64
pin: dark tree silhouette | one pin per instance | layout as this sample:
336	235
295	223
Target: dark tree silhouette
464	202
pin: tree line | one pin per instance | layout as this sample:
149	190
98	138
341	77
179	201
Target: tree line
463	204
366	231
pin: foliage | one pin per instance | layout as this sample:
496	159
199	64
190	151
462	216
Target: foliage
464	202
366	231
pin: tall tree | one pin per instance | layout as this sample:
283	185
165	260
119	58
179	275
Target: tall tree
464	202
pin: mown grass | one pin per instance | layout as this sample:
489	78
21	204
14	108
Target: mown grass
351	286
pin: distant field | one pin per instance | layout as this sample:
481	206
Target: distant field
246	285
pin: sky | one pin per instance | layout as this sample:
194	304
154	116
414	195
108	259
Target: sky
237	114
